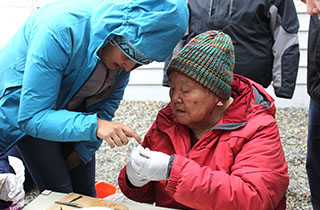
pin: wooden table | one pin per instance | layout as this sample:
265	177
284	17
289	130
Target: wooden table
47	199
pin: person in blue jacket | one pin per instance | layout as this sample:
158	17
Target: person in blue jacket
63	75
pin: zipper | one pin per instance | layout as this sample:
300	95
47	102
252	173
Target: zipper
230	9
211	7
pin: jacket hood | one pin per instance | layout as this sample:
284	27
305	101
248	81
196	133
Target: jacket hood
152	27
249	97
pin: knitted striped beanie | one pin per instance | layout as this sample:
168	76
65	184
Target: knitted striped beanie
209	60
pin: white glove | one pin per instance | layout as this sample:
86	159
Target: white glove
150	164
19	169
11	189
135	179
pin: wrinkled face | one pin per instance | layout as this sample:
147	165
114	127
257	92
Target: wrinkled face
191	103
313	7
114	58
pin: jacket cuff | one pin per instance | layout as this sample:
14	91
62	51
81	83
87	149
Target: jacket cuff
170	165
174	177
282	92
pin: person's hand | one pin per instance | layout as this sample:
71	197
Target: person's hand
313	7
11	189
135	178
150	164
115	133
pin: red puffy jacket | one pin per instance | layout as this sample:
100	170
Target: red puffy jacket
238	164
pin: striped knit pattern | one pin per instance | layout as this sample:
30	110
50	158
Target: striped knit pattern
208	59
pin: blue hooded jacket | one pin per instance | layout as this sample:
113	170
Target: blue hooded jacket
55	52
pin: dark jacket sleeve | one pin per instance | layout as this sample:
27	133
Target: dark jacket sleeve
284	25
313	75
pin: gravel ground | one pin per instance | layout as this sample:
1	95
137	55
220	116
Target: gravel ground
140	115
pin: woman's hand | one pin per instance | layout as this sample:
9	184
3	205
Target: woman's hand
150	165
115	133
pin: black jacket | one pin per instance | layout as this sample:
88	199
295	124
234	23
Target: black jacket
313	75
264	34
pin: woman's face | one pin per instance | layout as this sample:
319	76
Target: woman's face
313	7
191	103
114	58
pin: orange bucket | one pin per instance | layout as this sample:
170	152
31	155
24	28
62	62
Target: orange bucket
104	189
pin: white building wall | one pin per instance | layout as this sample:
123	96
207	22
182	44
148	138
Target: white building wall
145	82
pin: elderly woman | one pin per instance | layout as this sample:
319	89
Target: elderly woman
216	145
